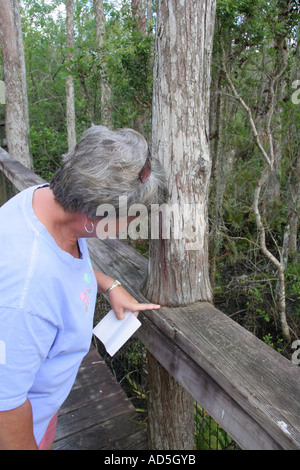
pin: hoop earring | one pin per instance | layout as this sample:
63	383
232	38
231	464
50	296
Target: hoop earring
87	230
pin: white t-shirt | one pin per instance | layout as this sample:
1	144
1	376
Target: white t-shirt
47	302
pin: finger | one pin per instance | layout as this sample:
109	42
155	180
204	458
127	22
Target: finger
119	314
138	307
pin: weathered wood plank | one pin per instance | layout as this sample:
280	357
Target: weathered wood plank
18	174
119	260
88	375
123	263
130	441
122	433
97	412
261	381
93	392
91	414
246	432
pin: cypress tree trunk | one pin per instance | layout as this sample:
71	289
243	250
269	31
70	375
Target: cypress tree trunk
178	271
170	411
16	119
178	267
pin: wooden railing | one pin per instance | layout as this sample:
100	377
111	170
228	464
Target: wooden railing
252	391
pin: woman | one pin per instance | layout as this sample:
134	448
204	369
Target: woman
48	286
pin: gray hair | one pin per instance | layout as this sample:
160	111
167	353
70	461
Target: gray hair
103	166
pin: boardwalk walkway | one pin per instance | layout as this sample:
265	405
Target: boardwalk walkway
97	415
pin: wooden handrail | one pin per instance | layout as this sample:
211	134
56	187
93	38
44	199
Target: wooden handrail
246	386
252	391
18	174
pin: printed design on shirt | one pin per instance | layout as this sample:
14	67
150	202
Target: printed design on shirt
85	296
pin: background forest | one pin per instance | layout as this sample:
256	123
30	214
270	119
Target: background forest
254	132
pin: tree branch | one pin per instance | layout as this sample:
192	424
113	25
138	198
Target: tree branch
270	160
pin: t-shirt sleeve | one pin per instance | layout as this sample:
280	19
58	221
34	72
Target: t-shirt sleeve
25	341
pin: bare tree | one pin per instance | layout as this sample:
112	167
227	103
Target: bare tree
17	118
70	95
270	163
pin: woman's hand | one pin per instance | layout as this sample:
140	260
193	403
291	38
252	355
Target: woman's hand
120	300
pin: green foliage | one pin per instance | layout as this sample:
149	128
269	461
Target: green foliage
268	339
293	287
127	66
47	144
208	434
255	38
128	57
44	38
256	22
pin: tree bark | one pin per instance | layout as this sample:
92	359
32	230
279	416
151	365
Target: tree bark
178	267
139	14
70	94
17	119
178	263
170	411
106	113
149	13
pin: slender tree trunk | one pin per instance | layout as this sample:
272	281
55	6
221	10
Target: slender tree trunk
17	120
70	95
106	113
222	161
139	14
89	104
149	13
178	265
